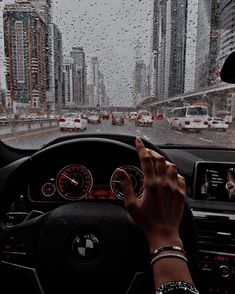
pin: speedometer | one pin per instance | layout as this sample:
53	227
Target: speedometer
136	177
74	182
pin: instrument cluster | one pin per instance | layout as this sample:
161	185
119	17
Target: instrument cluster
75	181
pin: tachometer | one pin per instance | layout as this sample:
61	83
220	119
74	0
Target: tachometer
48	189
74	182
136	177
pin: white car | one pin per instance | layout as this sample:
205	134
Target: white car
94	117
133	115
217	123
72	121
144	118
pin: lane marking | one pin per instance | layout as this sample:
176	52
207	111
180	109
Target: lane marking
17	136
98	130
202	139
177	132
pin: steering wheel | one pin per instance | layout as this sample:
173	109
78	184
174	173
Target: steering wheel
87	246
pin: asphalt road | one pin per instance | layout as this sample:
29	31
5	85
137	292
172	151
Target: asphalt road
160	133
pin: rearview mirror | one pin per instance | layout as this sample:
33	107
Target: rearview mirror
228	70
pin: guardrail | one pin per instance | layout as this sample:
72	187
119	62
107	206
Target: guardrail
8	127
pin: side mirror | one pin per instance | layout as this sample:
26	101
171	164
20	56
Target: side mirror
228	70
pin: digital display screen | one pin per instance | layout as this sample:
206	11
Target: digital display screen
215	181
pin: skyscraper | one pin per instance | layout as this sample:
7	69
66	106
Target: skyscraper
58	66
161	46
168	47
96	88
102	90
26	59
140	76
95	99
184	50
226	25
201	44
68	74
177	36
44	9
78	56
155	49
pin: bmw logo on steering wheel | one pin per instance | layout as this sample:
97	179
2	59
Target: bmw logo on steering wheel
85	246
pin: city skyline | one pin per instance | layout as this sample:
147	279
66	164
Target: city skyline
110	27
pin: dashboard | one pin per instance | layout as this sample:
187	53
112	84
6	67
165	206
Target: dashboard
75	181
82	172
87	173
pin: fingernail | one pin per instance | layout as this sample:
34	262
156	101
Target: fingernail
118	170
138	139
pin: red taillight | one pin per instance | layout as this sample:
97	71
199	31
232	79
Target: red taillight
187	122
61	120
77	120
205	122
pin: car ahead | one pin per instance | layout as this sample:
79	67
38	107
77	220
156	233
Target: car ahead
226	115
159	116
192	118
118	118
72	121
133	115
84	115
144	118
105	115
217	123
94	117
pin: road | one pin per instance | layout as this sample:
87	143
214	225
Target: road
160	133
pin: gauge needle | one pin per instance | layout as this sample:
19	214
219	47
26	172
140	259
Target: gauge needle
72	180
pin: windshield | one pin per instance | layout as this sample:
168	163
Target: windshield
145	114
83	56
197	111
117	114
70	114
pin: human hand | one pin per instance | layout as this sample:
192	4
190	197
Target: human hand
159	211
229	185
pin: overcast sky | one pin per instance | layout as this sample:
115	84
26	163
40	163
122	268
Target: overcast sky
108	29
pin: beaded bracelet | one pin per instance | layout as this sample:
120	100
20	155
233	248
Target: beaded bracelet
165	255
176	287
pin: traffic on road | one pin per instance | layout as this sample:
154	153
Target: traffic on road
158	131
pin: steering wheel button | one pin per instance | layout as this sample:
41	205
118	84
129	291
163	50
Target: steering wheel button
15	257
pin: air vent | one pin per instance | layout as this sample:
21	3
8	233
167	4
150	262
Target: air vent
216	234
